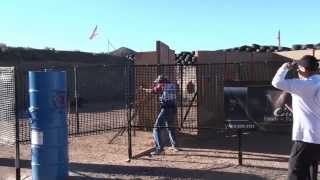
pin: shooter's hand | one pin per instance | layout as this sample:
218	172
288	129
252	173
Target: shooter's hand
145	89
290	65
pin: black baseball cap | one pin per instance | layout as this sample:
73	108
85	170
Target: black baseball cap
309	62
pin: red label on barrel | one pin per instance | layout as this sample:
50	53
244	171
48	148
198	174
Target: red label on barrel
59	101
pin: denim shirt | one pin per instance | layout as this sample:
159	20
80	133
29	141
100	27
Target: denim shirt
168	95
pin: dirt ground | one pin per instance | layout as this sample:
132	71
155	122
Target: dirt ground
213	156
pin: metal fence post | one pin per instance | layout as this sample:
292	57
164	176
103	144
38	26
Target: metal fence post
129	134
129	105
239	72
76	97
17	128
239	131
181	96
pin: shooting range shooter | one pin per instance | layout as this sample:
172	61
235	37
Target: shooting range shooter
167	114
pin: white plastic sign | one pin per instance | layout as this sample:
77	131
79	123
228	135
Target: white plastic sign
36	137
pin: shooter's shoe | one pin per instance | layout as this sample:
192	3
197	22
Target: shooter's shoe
157	152
174	149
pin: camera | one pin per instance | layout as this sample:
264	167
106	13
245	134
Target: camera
294	64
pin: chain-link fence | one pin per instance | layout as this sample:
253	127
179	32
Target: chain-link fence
97	98
7	106
106	97
111	98
201	94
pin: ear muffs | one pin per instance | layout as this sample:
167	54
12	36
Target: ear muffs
302	69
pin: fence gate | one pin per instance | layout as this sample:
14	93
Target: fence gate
99	100
9	130
7	106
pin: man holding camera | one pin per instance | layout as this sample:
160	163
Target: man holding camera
305	92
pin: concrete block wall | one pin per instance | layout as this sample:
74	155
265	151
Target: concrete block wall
165	54
146	58
162	55
296	55
208	57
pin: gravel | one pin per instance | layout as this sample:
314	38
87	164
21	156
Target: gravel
213	156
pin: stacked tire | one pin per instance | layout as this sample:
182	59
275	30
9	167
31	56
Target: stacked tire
131	57
305	46
186	58
257	48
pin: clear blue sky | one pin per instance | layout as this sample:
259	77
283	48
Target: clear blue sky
137	24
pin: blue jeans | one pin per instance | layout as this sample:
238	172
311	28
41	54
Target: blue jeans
165	119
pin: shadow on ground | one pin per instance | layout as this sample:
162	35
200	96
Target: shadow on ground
78	170
254	141
270	145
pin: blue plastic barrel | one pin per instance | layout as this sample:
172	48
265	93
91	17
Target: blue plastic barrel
49	132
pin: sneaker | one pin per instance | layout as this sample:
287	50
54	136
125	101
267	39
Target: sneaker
174	149
156	152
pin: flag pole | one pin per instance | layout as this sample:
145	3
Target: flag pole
279	40
108	46
94	33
